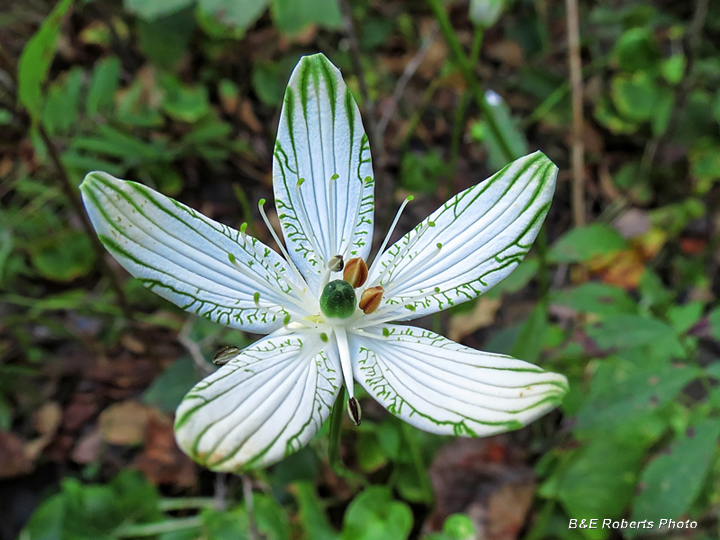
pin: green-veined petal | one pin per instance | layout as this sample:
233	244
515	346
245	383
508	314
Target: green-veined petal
197	263
466	246
263	405
322	172
443	387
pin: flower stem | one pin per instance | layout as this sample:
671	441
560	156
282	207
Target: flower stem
153	529
335	429
459	120
336	464
185	503
423	478
466	68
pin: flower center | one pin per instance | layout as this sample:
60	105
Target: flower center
338	300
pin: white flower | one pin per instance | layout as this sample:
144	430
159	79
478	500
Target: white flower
271	398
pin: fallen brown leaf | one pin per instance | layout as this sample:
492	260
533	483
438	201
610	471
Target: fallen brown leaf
482	315
124	423
13	459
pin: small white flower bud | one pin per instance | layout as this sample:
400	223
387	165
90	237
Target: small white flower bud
485	13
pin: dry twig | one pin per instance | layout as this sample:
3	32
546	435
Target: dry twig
578	122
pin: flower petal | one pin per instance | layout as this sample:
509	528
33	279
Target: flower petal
263	405
322	171
467	245
443	387
195	262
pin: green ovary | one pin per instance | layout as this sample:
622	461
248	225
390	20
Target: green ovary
338	300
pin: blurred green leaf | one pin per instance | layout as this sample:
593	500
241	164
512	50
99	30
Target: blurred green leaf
637	49
583	243
292	17
36	58
684	317
95	511
138	107
672	481
673	68
60	114
375	514
371	455
608	116
597	298
6	117
182	102
46	522
622	331
312	514
6	248
114	142
421	172
456	527
532	335
270	518
165	40
636	96
716	107
705	163
153	9
714	320
168	388
103	85
516	281
269	79
63	256
599	480
621	390
240	14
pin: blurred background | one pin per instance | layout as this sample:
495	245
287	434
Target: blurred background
620	292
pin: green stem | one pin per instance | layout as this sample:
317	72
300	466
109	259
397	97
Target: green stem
185	503
543	268
242	198
74	199
466	68
153	529
335	431
539	528
459	120
334	460
423	478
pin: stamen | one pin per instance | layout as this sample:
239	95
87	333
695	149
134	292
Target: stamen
336	264
345	364
299	301
404	250
349	248
420	267
243	228
390	231
303	292
332	203
225	354
354	410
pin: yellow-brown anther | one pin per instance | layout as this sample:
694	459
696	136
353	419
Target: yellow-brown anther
370	299
356	272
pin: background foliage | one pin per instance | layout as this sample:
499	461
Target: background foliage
183	95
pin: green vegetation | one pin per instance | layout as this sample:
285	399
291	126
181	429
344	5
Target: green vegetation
620	293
